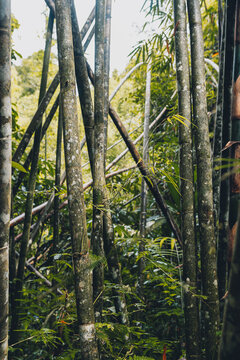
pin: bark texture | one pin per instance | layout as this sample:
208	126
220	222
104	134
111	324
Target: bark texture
5	167
191	311
230	342
77	213
204	182
226	136
143	214
235	136
88	118
99	158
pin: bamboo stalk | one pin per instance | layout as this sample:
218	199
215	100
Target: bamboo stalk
5	168
77	214
191	309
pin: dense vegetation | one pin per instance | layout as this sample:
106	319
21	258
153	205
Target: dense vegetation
158	292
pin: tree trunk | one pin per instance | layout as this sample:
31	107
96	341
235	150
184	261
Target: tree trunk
204	182
191	311
145	156
77	213
235	137
226	136
5	167
230	341
217	141
99	159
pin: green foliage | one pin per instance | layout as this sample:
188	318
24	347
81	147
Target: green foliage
49	320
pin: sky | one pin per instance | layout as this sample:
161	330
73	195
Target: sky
127	21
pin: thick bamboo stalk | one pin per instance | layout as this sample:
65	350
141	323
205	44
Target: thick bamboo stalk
98	160
5	168
77	212
235	137
226	136
217	141
108	229
204	182
191	310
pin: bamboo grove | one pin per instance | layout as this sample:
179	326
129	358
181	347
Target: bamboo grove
146	263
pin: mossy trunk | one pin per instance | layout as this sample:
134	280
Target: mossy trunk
77	212
99	159
191	310
204	183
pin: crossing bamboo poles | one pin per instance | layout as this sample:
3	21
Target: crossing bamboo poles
16	306
148	176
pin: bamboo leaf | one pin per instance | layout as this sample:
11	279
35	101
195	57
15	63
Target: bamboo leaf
19	167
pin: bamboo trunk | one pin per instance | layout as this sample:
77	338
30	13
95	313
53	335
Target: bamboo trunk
226	136
235	137
191	310
77	213
99	159
143	213
204	183
5	168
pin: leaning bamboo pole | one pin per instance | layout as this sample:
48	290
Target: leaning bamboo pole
18	219
16	306
47	98
148	176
